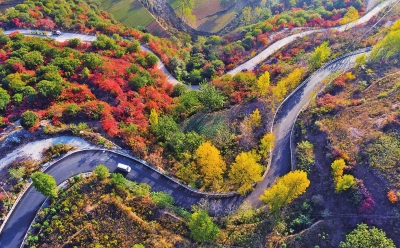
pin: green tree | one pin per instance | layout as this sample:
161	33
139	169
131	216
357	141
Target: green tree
29	119
151	59
305	156
33	59
320	55
202	228
245	171
166	128
118	180
92	60
101	172
162	199
186	7
387	47
49	89
74	42
285	190
17	173
210	97
4	99
365	237
44	183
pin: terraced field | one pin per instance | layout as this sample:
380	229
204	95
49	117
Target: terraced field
207	14
129	12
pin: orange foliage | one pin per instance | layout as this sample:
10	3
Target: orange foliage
392	197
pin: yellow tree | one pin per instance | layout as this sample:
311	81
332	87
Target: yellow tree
285	190
320	55
279	92
344	182
153	118
210	163
263	83
266	144
395	26
350	16
254	120
245	171
337	169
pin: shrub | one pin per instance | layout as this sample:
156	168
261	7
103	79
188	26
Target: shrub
101	172
305	156
162	199
29	119
392	197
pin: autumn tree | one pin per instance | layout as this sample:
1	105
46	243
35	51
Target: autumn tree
319	56
254	120
245	171
266	144
211	164
350	16
342	182
263	83
202	228
153	119
363	237
285	190
44	183
392	197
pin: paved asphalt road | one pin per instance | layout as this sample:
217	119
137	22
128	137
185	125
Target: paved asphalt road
284	121
84	161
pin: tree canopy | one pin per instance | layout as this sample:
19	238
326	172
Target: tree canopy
211	163
202	228
285	190
44	183
245	171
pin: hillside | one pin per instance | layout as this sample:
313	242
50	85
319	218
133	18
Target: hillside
299	149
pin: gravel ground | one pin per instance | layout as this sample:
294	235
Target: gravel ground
33	150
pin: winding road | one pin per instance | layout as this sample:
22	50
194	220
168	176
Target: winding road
253	62
83	161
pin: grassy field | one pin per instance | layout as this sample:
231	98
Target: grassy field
216	22
129	12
